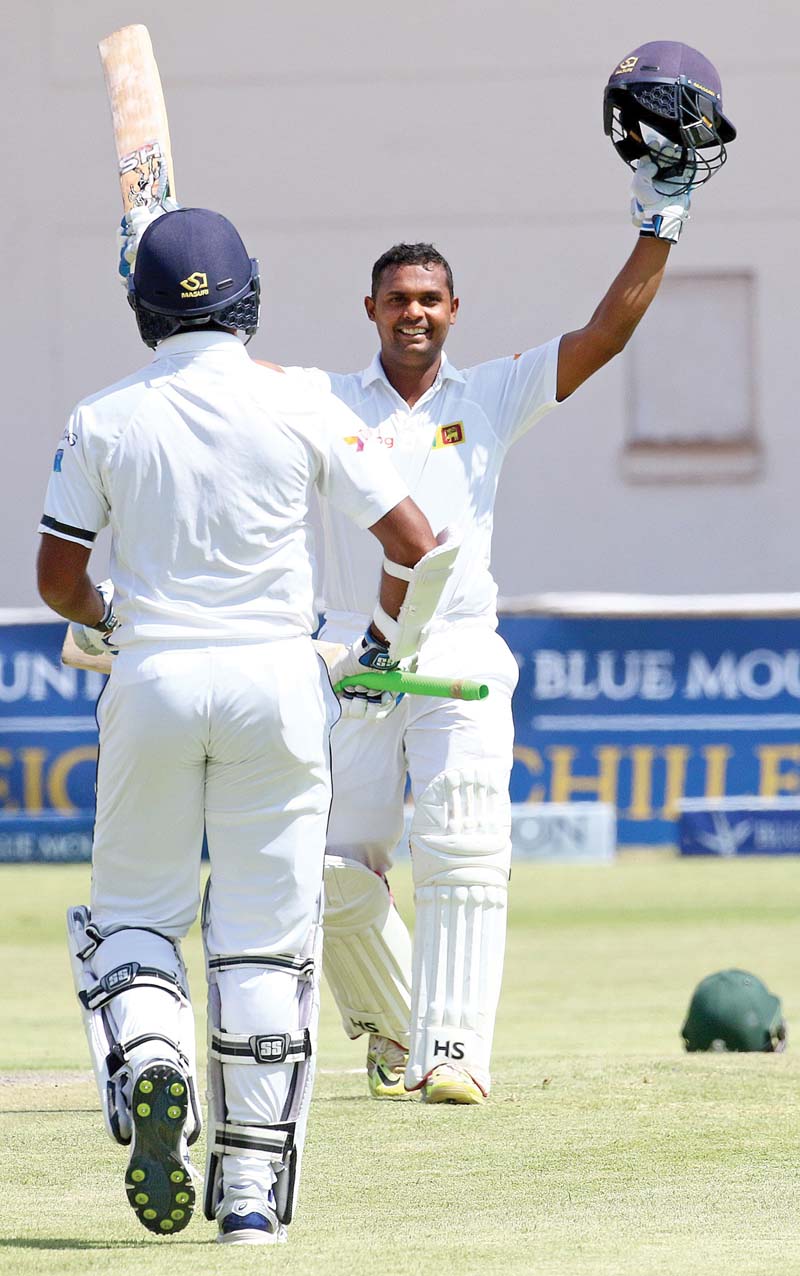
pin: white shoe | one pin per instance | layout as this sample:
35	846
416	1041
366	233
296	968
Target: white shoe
249	1222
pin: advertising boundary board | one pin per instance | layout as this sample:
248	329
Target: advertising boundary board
567	833
644	701
48	741
734	826
638	703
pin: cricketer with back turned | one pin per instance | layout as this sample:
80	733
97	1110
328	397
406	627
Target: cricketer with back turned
216	718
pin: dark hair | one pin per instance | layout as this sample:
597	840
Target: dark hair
410	255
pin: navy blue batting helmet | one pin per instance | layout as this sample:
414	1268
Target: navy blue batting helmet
670	90
192	269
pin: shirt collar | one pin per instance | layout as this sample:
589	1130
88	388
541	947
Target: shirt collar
375	373
197	342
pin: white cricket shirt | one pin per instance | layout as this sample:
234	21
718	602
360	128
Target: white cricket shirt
449	449
203	463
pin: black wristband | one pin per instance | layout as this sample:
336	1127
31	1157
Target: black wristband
373	637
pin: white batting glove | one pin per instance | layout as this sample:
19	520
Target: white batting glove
655	209
97	641
366	705
366	653
130	231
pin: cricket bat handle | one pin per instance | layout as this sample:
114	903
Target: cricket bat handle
418	684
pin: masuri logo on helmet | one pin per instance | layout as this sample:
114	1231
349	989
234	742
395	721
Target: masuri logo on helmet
196	284
225	295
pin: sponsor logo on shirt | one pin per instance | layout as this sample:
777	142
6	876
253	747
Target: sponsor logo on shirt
196	284
69	436
359	441
57	459
446	434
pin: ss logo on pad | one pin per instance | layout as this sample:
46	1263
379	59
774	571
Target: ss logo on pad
270	1049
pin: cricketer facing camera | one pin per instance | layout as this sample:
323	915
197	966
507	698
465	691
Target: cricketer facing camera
430	1011
216	717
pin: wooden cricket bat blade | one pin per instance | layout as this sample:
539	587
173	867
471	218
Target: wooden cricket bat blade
139	116
72	655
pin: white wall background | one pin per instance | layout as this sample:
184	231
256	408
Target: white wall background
328	132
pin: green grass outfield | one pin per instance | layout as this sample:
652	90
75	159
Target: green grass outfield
604	1149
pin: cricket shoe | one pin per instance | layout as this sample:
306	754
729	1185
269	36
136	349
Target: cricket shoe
250	1222
386	1066
446	1084
158	1180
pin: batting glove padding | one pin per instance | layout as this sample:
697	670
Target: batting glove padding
97	640
130	231
657	210
366	653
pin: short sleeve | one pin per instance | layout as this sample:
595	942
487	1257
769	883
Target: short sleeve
75	506
520	389
357	479
311	378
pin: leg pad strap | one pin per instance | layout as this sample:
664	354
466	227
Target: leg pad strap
116	1028
274	1142
262	1150
276	1047
124	978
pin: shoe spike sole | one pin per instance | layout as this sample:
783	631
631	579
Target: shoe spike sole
158	1182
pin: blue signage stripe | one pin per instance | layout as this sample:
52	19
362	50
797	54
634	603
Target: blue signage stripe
610	722
48	724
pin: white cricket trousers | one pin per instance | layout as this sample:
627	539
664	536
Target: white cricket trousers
423	737
233	738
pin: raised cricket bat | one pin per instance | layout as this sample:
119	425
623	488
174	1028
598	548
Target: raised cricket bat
415	684
141	132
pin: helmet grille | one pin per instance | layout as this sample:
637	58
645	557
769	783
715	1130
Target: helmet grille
659	98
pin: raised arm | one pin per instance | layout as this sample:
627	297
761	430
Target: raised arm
583	352
662	109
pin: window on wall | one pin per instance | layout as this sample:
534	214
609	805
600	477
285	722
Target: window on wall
690	383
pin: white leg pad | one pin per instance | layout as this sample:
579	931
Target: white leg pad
134	998
461	857
263	1014
367	951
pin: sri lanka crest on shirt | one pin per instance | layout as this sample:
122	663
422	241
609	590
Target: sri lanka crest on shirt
447	434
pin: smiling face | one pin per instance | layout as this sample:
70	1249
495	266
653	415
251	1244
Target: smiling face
413	312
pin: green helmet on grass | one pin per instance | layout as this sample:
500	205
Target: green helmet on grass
733	1010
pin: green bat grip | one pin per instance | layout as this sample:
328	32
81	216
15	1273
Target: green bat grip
417	684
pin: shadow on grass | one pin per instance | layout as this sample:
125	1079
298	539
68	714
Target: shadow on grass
342	1098
50	1111
57	1243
